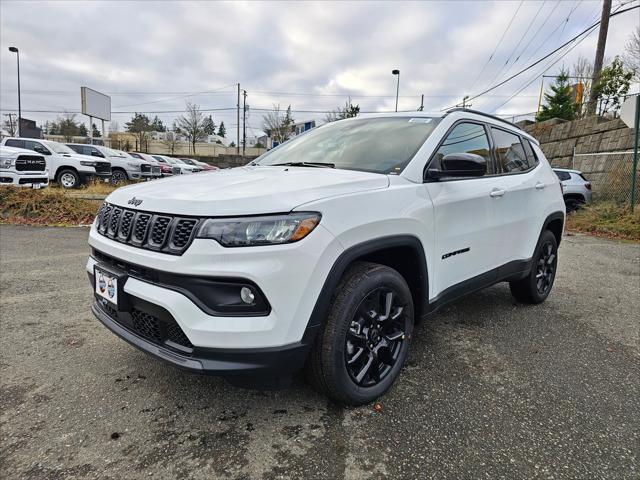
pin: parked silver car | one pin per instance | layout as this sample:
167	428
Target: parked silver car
576	188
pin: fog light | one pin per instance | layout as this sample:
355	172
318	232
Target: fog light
247	295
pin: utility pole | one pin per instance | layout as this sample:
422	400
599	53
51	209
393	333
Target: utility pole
464	101
244	122
238	123
421	108
597	63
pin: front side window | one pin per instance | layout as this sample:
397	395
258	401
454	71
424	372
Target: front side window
59	148
465	138
380	145
36	147
510	152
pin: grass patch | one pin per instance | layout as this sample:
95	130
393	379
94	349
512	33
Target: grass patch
607	219
92	188
49	206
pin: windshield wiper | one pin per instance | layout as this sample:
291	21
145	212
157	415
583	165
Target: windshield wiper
306	164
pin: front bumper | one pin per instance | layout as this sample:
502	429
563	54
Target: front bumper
290	277
8	177
259	363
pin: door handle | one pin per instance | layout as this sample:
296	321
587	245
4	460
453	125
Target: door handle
540	186
497	192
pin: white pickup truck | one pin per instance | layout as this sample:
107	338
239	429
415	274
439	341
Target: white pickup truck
123	166
66	167
22	168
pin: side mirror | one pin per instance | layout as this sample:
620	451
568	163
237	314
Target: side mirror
41	151
460	165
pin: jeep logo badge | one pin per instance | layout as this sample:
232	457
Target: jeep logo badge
134	201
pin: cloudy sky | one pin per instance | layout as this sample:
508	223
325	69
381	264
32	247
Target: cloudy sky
154	56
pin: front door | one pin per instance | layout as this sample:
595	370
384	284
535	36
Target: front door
466	226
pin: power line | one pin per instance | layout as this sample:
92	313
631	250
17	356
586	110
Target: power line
545	57
497	46
549	65
176	98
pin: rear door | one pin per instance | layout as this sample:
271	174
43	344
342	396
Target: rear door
465	225
519	212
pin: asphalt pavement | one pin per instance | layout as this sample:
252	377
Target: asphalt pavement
492	389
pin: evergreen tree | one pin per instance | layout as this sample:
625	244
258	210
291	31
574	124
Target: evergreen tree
560	102
222	131
157	125
82	130
208	126
96	133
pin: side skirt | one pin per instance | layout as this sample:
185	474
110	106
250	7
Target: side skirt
514	270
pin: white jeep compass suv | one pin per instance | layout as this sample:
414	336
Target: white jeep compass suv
323	252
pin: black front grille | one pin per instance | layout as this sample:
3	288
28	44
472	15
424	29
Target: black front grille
30	163
145	168
158	331
155	170
24	181
176	170
159	232
103	167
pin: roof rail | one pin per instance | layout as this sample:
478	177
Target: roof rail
478	112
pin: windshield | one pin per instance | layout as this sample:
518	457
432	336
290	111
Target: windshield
59	148
177	160
161	159
380	145
113	153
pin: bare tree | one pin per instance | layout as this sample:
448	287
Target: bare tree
631	57
192	124
170	142
277	124
10	125
583	68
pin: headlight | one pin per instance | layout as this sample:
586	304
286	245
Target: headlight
263	230
5	162
134	165
87	163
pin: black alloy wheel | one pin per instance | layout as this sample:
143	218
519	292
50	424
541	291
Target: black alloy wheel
546	268
374	339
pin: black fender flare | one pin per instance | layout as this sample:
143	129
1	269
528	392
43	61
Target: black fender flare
550	218
352	254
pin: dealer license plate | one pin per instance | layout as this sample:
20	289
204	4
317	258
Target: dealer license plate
106	285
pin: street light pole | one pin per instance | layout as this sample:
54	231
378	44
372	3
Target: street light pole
17	52
397	72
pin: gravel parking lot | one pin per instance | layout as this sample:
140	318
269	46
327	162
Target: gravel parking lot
492	389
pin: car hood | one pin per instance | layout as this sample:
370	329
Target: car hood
245	190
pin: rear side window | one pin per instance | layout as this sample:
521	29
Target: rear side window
466	138
530	153
510	152
15	143
563	175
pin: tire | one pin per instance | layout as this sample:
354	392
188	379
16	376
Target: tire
118	176
68	178
537	285
362	348
573	204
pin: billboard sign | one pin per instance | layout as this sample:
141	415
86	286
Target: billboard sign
95	104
